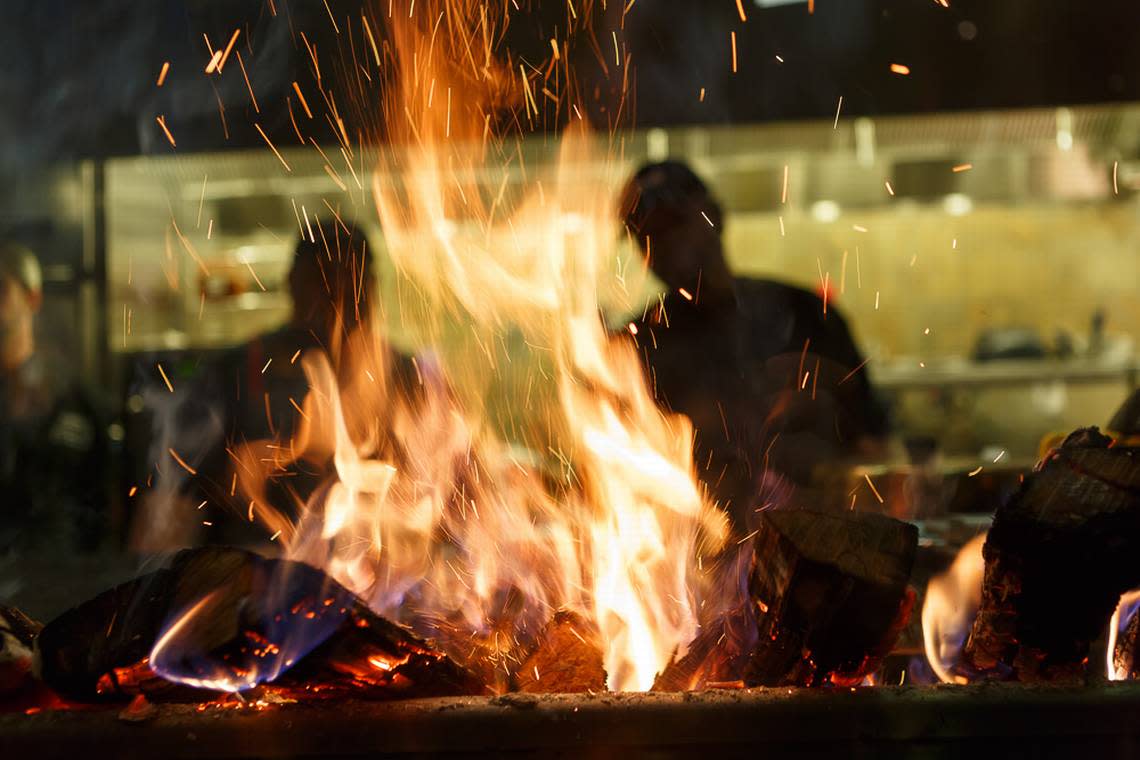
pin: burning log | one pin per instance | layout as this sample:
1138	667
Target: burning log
225	619
1126	652
830	594
567	659
1060	553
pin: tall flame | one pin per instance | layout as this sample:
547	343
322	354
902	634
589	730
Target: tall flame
441	515
952	602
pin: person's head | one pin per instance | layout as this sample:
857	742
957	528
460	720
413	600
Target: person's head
332	278
676	221
21	294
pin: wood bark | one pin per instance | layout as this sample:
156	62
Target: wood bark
830	595
1059	555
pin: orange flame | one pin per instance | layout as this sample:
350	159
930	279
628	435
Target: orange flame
1120	619
952	601
436	514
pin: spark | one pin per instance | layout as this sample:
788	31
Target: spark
554	48
333	20
999	456
838	108
272	147
781	219
229	47
779	59
874	490
293	360
851	374
890	189
132	492
162	73
858	228
201	201
300	411
162	123
900	69
255	279
733	37
182	462
210	230
685	294
165	379
962	168
1115	187
710	221
632	328
275	536
371	40
267	365
301	96
702	95
253	98
212	66
784	190
876	300
740	10
974	471
617	52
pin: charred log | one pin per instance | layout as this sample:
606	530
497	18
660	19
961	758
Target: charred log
1126	653
1059	555
286	620
567	659
830	595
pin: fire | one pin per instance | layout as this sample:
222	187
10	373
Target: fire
952	601
1125	610
440	515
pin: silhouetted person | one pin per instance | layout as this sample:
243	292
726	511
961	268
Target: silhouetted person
732	352
54	449
263	385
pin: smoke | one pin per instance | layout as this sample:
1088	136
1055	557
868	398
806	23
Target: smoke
187	423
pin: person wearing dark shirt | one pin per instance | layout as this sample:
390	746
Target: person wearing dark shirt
263	383
54	447
769	374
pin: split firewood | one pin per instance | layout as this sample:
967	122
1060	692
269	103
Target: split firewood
1059	555
830	595
566	659
228	619
17	633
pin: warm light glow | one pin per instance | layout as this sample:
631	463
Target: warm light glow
1129	604
952	601
435	514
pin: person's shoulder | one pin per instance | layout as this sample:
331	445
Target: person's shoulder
789	298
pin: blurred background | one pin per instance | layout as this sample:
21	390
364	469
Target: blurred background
961	178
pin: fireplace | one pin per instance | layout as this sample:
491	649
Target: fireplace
517	536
